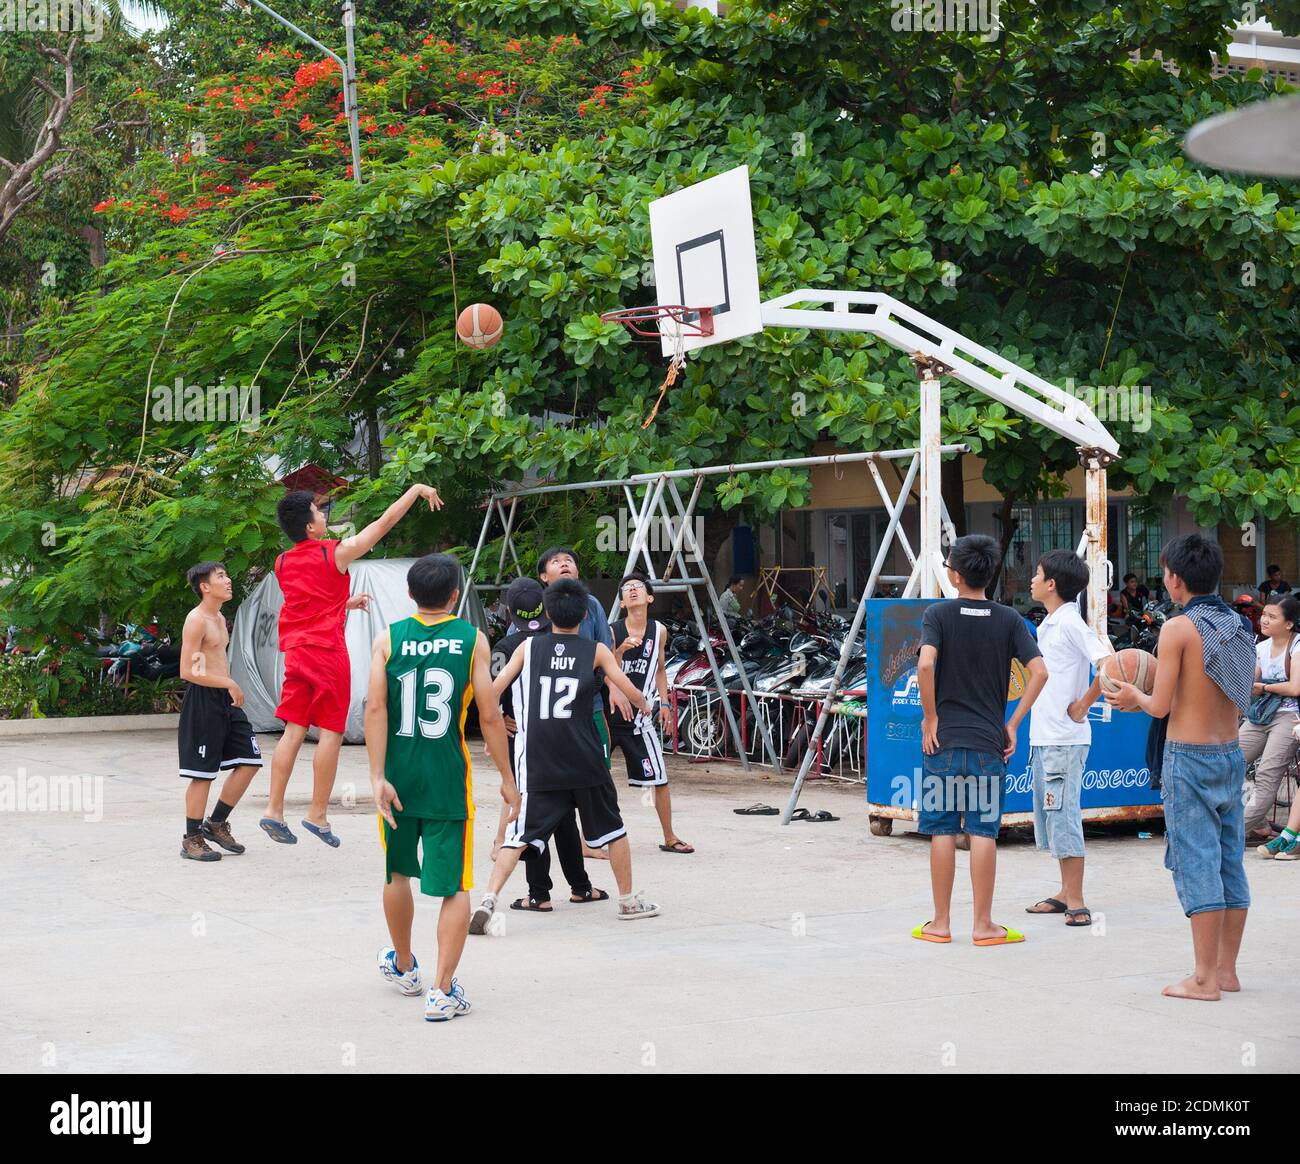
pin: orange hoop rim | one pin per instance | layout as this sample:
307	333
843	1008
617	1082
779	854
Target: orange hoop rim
695	321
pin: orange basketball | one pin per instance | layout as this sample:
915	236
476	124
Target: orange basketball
1128	666
479	325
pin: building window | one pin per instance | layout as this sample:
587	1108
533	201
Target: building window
851	543
1058	528
1018	566
1145	539
837	545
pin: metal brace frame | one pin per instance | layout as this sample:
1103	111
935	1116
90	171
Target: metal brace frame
684	569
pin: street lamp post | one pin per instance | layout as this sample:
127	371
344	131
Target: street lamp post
348	68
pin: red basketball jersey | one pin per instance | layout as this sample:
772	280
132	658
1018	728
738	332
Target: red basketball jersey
315	596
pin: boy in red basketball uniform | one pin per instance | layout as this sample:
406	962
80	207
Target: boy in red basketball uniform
313	577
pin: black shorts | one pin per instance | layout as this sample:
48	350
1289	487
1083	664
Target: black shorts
644	755
214	735
542	812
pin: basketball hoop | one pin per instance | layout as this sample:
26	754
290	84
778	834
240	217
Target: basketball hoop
655	322
671	322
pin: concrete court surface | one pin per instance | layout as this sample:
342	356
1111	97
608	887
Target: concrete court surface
779	949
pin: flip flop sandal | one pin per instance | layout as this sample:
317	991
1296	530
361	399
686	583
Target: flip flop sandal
822	815
1071	916
801	814
1008	939
531	905
277	830
920	934
1058	906
676	847
325	834
757	810
588	897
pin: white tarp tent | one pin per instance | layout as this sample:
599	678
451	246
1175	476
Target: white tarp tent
257	665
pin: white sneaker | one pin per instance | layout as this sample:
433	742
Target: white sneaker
440	1007
458	997
637	907
408	983
481	918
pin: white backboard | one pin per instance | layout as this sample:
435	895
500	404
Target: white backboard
703	242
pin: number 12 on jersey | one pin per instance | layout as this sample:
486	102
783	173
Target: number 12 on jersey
566	691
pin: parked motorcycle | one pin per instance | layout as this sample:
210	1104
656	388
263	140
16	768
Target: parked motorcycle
1141	628
144	652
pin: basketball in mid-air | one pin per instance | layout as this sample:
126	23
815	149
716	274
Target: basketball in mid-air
479	325
1128	666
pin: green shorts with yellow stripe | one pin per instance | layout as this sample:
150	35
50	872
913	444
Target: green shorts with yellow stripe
602	730
439	852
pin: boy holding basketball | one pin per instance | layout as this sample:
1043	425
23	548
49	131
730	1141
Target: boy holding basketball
1059	735
967	645
1207	669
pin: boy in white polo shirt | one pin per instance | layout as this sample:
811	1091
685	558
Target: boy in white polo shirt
1059	733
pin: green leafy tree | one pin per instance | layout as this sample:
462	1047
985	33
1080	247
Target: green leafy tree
1026	188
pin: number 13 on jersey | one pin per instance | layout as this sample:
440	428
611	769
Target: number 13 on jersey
440	687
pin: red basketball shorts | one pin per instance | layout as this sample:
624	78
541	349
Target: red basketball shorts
317	688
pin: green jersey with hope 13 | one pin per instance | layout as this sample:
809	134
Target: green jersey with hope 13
429	688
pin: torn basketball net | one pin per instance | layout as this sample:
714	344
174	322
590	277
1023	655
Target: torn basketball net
671	322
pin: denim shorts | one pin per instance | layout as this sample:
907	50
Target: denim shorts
1205	819
1058	785
961	792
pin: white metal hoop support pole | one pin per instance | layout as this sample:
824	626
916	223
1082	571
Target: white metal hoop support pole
912	331
1095	535
929	565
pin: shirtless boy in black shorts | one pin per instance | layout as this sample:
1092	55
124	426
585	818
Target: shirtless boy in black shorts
215	735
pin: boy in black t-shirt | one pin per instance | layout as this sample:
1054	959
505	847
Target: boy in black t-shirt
1273	585
967	645
559	757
